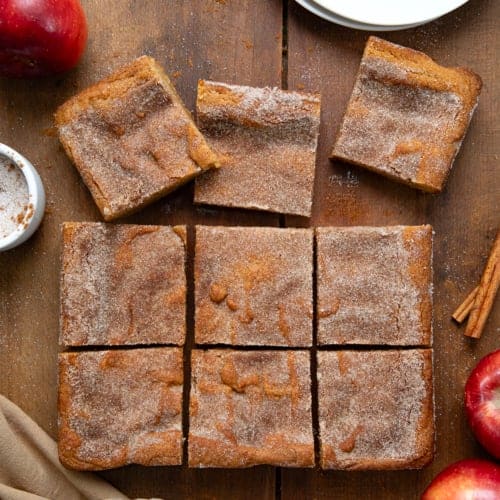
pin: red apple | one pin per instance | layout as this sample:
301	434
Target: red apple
482	402
471	479
40	37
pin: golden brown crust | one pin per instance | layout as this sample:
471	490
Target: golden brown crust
374	285
376	412
68	439
418	242
253	286
407	115
132	139
120	407
122	284
425	426
422	71
250	408
276	450
114	86
267	139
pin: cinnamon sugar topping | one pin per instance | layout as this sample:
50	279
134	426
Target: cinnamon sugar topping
14	198
132	139
407	115
120	407
267	139
122	284
375	285
250	408
378	413
253	286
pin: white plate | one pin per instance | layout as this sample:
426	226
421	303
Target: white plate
316	9
390	12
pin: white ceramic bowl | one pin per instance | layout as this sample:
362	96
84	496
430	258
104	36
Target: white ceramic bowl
316	9
390	13
36	198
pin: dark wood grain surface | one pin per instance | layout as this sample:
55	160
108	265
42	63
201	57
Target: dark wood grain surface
241	42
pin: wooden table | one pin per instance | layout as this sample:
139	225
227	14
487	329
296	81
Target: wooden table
260	43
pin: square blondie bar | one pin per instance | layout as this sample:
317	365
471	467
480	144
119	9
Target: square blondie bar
407	115
122	284
131	138
249	408
120	407
374	285
267	140
375	409
253	286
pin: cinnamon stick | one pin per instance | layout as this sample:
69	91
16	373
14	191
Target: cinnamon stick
465	307
483	302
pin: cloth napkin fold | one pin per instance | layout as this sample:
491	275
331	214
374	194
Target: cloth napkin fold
30	467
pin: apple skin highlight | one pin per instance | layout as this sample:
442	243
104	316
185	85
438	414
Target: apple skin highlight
470	479
482	402
40	37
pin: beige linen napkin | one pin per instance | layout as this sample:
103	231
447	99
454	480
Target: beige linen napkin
30	468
